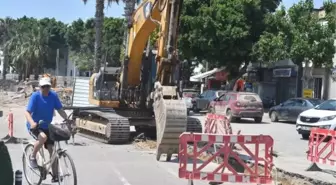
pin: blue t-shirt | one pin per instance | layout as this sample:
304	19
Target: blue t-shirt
42	108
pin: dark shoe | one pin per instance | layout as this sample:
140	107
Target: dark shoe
33	162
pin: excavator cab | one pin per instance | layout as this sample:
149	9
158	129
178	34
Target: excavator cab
104	87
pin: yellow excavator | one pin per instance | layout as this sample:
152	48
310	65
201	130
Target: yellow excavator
124	98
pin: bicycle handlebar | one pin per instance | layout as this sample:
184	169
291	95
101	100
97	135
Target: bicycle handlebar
42	121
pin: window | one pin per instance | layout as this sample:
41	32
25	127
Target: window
290	102
315	102
226	97
249	97
233	97
327	105
221	98
300	103
210	94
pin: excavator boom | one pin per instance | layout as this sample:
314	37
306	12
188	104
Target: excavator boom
148	16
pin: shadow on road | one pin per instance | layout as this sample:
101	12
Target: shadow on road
286	122
248	121
190	161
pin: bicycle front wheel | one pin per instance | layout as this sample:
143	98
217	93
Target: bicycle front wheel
67	171
33	176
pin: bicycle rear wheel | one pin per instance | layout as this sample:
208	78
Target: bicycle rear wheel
64	176
27	168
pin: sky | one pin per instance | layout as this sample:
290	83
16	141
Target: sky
70	10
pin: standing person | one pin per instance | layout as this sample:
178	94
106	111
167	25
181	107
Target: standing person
41	107
239	85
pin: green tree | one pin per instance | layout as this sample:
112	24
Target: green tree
299	34
99	18
223	32
113	35
6	32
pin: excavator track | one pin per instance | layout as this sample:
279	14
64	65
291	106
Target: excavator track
103	126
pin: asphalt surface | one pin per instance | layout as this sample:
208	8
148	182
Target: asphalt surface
288	145
102	164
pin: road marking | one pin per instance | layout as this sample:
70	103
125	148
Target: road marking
121	178
168	169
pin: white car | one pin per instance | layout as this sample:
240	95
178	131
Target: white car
322	116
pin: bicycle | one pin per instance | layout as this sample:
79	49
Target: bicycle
45	166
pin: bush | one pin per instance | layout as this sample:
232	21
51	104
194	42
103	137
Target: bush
6	169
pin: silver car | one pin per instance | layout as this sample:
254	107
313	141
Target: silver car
187	96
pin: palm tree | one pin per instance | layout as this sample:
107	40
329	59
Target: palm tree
5	34
30	48
99	20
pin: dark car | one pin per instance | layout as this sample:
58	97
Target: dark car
290	109
202	102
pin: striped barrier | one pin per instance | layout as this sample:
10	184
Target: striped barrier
234	167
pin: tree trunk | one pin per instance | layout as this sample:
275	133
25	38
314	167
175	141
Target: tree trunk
5	62
99	19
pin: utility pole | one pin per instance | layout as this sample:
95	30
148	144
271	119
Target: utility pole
57	61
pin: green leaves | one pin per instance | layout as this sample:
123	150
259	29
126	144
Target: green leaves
300	34
32	43
222	32
81	39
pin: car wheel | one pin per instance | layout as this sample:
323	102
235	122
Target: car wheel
305	136
274	116
258	120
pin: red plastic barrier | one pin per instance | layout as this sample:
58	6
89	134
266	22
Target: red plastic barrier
217	124
10	125
217	174
319	150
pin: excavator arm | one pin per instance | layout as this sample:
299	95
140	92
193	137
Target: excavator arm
147	17
169	110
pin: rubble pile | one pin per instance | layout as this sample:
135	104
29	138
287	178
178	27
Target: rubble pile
8	85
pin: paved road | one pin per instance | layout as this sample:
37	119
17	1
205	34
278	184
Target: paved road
288	144
124	165
101	164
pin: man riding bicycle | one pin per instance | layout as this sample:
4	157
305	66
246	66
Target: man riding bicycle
41	106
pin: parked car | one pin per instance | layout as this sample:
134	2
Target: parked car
268	102
187	96
290	109
202	102
322	116
237	105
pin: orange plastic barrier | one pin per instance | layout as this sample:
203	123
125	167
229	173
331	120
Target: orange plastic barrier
217	124
209	171
322	143
10	136
10	125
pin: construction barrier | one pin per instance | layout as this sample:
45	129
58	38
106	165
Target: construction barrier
217	124
10	136
322	143
254	167
10	125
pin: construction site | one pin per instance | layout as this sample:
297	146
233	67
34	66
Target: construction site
131	125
